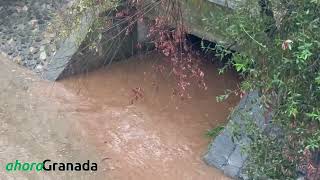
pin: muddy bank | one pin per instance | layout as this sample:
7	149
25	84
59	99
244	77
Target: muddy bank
36	127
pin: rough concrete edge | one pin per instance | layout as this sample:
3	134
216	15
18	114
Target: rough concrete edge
68	48
224	151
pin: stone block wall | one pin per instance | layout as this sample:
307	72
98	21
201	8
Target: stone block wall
225	151
23	30
25	38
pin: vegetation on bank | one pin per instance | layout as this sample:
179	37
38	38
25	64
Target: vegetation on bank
279	54
215	131
278	43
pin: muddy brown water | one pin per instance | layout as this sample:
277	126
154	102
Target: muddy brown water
158	136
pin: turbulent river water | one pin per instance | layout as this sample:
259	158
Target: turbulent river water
159	136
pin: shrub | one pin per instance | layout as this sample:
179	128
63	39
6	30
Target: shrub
279	43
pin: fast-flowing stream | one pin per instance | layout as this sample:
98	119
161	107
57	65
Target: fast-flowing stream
157	136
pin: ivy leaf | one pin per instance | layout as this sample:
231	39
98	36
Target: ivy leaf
315	115
240	67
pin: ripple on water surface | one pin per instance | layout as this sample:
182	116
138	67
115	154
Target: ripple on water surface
158	136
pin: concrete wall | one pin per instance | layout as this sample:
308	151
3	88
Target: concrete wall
69	60
196	10
73	56
24	37
62	60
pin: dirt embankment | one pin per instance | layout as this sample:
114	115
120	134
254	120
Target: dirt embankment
34	128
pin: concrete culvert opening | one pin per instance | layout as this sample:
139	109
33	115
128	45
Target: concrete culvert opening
129	117
133	85
217	54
